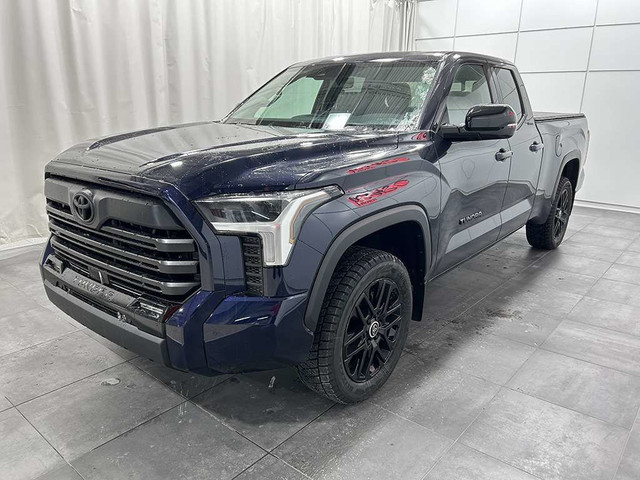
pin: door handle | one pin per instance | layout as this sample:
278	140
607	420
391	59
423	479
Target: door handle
535	146
503	154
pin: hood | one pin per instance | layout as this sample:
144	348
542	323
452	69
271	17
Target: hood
206	158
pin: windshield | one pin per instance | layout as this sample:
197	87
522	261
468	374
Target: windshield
339	96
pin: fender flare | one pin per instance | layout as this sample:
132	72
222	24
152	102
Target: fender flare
540	212
572	155
349	236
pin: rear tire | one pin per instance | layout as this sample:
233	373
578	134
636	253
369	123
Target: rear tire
362	327
549	235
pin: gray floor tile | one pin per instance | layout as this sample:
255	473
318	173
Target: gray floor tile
530	327
464	463
546	440
545	277
470	282
117	349
597	345
62	473
14	301
624	273
184	442
611	231
518	298
88	413
30	327
363	441
424	329
467	349
614	291
613	217
629	468
634	246
600	239
517	251
443	400
24	454
183	383
497	266
629	258
595	252
611	315
272	468
444	303
560	260
4	403
266	416
603	393
42	368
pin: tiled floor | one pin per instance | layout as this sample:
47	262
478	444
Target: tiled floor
527	365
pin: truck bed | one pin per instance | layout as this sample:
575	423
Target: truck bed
551	116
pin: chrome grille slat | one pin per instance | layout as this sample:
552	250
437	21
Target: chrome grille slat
152	264
137	259
166	287
144	241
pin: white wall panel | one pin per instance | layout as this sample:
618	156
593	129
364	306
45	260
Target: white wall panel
487	16
613	170
436	18
554	92
434	45
618	11
554	50
557	13
616	47
502	45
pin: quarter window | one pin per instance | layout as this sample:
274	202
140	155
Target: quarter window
510	92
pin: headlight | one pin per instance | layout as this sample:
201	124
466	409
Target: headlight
276	217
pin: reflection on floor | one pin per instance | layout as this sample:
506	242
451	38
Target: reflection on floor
526	365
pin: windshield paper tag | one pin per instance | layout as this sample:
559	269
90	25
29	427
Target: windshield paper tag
336	121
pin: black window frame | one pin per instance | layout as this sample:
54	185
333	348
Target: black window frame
494	93
514	76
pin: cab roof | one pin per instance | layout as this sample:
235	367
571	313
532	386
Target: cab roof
407	56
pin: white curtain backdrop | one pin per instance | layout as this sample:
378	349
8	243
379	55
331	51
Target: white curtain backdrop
76	69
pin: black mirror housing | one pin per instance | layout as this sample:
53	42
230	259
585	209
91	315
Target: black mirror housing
484	122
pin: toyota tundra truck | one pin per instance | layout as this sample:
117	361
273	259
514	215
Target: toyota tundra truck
304	227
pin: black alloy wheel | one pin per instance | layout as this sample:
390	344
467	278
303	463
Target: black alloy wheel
372	330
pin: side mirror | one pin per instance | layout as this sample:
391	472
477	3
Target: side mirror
484	122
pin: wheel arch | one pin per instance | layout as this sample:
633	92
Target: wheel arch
368	231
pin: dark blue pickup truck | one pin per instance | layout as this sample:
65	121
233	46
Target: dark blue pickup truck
304	227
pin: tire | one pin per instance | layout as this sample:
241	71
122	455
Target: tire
549	235
363	279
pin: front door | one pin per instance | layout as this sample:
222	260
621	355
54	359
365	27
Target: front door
526	145
474	178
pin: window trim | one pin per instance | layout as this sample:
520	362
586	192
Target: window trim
494	93
494	71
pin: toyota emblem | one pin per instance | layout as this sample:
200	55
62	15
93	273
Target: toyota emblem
83	206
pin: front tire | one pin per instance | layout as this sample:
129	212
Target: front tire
548	235
362	327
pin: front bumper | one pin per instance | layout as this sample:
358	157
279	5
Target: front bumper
123	334
209	334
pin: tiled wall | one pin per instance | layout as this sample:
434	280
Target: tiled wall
574	55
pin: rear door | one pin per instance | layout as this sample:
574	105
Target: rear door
473	180
526	145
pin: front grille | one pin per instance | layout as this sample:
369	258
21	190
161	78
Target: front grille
252	254
136	258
